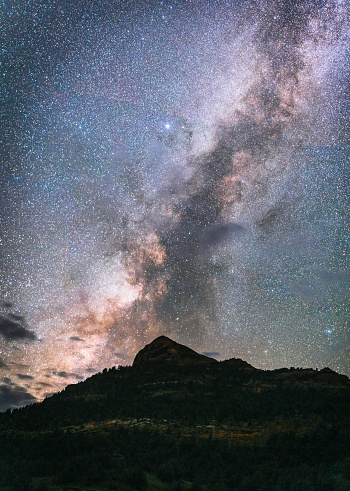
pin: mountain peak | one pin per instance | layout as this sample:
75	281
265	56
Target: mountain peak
165	350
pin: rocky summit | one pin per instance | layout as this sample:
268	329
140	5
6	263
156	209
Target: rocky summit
165	350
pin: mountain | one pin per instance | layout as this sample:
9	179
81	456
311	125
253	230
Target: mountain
180	420
165	350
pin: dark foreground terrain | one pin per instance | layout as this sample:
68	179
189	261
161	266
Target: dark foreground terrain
180	421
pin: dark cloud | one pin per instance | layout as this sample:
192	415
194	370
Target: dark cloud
275	216
121	356
12	328
44	384
77	376
50	394
23	376
67	375
15	317
62	374
211	354
91	370
2	363
220	233
76	338
18	366
14	396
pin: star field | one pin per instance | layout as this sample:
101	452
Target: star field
177	168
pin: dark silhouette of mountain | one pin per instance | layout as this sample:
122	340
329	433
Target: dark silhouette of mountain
165	350
180	420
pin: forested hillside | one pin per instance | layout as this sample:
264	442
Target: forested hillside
174	425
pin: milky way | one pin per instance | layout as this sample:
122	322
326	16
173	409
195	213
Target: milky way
177	168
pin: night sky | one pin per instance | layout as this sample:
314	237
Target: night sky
177	168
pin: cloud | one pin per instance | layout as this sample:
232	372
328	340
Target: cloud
67	375
18	366
2	363
50	394
7	381
23	376
77	376
44	384
15	317
211	354
76	338
11	397
7	305
221	233
62	374
11	327
276	215
121	356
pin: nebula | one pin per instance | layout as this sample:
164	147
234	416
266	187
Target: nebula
172	169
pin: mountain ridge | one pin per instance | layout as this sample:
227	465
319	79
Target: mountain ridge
173	421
